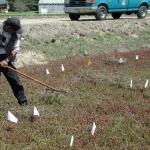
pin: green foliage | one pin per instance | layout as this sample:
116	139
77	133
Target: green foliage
121	123
31	4
18	6
24	5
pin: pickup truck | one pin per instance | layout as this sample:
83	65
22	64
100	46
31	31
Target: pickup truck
100	8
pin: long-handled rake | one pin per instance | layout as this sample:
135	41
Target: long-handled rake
38	81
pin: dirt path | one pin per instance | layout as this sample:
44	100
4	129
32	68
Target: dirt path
47	20
66	19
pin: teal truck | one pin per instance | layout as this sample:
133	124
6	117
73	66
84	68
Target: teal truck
100	8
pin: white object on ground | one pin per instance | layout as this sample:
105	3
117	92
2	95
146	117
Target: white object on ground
71	142
120	61
86	53
146	84
93	128
43	10
47	72
35	112
137	57
62	67
11	117
131	83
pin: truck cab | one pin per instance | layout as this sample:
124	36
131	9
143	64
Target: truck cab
100	8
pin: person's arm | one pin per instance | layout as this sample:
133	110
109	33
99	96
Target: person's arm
15	50
12	55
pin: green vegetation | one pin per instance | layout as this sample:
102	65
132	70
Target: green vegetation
104	43
26	14
24	5
98	93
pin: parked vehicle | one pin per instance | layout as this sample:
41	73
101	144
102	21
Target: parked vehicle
100	8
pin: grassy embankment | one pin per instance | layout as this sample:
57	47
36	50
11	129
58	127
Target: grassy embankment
105	43
28	14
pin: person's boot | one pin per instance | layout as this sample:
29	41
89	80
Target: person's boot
24	103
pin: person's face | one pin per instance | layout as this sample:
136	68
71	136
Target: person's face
8	28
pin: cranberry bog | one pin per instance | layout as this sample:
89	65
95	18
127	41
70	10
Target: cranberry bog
98	91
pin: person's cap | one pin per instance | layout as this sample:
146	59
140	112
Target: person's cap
15	24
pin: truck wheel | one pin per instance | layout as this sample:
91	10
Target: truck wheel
142	12
116	15
74	16
101	13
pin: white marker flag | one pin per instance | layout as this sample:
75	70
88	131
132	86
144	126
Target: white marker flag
62	68
146	84
137	57
93	128
131	84
47	72
35	112
120	61
11	117
71	142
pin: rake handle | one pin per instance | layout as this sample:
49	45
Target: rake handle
38	81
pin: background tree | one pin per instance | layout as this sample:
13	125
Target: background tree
31	4
23	5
